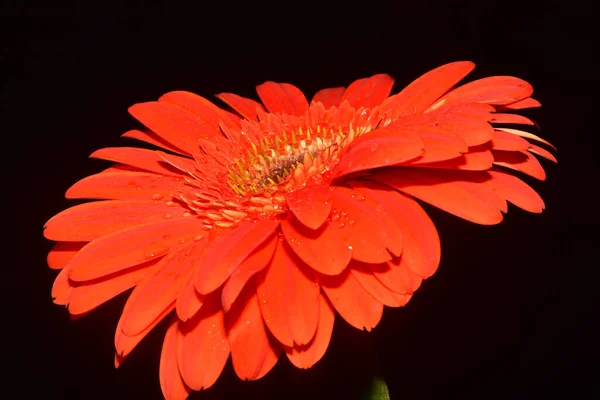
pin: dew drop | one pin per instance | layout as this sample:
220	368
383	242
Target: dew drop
350	247
167	237
335	217
187	214
342	225
351	222
197	238
170	203
181	259
157	196
168	216
156	251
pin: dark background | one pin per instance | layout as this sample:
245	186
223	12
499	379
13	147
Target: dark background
509	313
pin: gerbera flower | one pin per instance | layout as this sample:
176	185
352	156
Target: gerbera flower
250	228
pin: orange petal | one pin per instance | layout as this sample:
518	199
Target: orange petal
89	295
521	104
380	148
527	135
438	148
289	298
495	90
255	263
202	108
189	300
147	160
163	288
174	124
471	161
368	92
107	255
421	243
252	351
520	161
330	97
500	118
463	194
62	287
473	131
371	230
423	91
397	276
62	253
89	221
243	106
351	301
311	204
203	346
542	152
505	141
125	186
282	98
153	138
326	250
374	287
305	356
171	382
516	191
227	251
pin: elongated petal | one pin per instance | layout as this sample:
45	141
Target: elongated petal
171	382
228	250
125	186
255	263
459	193
495	90
326	250
516	191
505	141
521	104
471	161
329	97
423	91
189	300
397	276
89	221
62	287
243	106
62	253
282	98
107	255
527	135
500	118
153	138
421	244
203	346
289	298
140	158
520	161
305	356
174	124
542	152
204	109
374	287
439	147
368	92
473	131
351	301
311	204
252	351
380	148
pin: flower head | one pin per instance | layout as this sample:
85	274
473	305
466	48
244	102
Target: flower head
250	228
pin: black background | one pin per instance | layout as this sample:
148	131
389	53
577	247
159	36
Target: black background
509	313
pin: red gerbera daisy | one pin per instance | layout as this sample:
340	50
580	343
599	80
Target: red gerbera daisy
253	227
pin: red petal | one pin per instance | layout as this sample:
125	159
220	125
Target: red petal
368	92
305	356
288	298
326	250
439	148
88	221
140	158
397	276
282	98
245	107
521	104
108	254
505	141
174	124
511	119
520	161
62	287
153	138
311	204
89	295
473	131
374	287
351	301
255	263
252	351
164	286
463	194
227	251
380	148
329	97
471	161
542	152
189	300
495	90
62	253
421	244
125	186
171	382
201	107
516	191
426	89
203	346
527	135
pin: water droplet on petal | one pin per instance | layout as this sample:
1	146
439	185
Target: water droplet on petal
351	222
187	214
157	196
350	247
155	251
168	216
197	238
